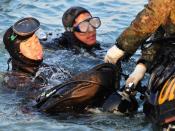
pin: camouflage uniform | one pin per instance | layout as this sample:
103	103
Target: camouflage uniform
157	15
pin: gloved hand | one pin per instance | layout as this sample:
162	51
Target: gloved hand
137	74
113	55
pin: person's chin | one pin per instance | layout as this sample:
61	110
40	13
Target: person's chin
91	41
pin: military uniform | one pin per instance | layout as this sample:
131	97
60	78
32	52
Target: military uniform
157	17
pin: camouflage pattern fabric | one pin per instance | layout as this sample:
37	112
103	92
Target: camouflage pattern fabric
156	14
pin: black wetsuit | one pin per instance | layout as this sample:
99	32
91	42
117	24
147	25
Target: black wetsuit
25	76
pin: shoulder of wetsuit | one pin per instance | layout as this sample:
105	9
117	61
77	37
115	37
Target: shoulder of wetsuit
66	40
69	42
19	81
63	41
56	43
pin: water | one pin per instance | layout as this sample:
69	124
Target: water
115	16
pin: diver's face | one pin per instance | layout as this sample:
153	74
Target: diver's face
31	48
89	38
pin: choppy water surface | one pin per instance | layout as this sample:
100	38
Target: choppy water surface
115	16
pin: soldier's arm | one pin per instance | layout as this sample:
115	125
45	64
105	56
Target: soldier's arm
146	22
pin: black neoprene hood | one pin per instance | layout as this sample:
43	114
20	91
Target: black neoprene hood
70	15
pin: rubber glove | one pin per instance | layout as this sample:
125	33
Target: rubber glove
137	74
113	55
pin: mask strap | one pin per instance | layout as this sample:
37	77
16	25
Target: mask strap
8	63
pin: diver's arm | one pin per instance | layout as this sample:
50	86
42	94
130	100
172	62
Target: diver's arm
146	22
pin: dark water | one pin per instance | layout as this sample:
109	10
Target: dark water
115	16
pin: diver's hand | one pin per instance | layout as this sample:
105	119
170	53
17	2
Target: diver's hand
113	55
137	74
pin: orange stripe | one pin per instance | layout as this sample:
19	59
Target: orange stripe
171	97
167	92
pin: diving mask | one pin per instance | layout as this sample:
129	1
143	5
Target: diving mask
84	26
24	27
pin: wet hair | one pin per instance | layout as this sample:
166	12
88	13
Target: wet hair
70	15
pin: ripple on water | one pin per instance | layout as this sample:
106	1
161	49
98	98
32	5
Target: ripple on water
115	16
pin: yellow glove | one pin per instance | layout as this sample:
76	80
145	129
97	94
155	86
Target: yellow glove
113	55
137	74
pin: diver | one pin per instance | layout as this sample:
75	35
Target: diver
80	31
26	56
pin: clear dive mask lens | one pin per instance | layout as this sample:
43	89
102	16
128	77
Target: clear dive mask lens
95	22
84	26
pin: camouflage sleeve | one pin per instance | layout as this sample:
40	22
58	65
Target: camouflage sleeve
146	22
